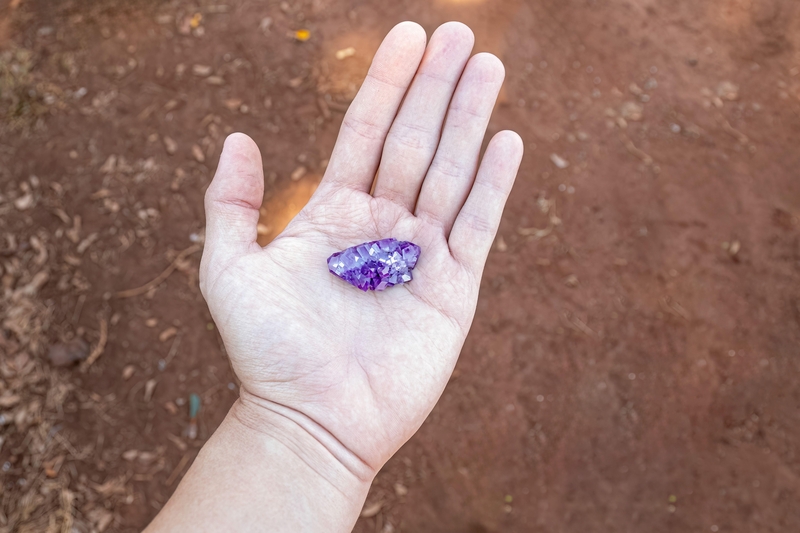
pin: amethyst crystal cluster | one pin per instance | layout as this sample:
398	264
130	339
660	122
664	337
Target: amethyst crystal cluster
375	265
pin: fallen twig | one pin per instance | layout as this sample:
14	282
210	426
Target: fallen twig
76	315
645	157
178	469
75	454
173	350
673	307
552	222
741	137
578	324
99	347
161	277
536	233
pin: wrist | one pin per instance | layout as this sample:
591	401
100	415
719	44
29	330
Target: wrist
308	441
268	473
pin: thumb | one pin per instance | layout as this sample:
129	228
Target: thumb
232	202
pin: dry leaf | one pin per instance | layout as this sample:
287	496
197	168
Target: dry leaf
631	111
233	103
501	244
24	202
86	243
734	248
110	165
128	372
728	90
41	251
74	233
52	467
146	458
110	487
167	334
198	154
9	400
38	281
324	108
149	387
180	175
72	260
101	518
371	509
178	442
559	161
130	455
100	194
201	70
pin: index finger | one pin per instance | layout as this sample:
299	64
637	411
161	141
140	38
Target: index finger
357	152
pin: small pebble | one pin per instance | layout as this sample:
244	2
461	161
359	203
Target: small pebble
559	161
345	53
298	173
68	353
631	111
198	154
170	145
201	70
728	90
128	372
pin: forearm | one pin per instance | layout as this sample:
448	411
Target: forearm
262	471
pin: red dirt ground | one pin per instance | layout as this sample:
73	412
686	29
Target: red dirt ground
634	360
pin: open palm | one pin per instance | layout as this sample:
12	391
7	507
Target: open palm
361	371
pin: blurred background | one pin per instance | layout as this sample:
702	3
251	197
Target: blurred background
634	361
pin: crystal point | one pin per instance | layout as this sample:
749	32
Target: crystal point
375	265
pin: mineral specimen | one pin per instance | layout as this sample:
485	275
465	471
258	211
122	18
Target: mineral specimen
376	265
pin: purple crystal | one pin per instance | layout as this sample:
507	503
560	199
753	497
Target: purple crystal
375	265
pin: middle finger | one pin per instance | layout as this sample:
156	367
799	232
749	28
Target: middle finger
414	136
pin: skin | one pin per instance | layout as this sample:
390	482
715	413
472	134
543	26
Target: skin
334	380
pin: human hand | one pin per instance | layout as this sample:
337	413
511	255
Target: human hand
359	372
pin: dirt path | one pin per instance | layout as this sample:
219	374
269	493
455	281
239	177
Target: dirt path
633	365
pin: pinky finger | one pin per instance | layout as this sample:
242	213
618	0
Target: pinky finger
476	225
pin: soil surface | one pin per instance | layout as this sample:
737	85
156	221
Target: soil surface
634	360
